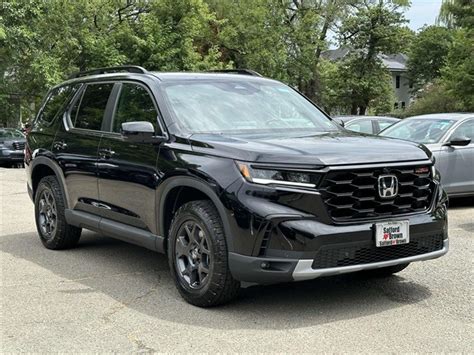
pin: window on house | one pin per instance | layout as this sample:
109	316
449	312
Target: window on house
395	105
397	81
403	105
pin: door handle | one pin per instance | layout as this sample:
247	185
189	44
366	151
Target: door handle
59	145
106	153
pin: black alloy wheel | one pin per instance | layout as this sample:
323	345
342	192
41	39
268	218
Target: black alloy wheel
193	254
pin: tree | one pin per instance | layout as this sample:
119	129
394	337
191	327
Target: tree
427	55
457	13
458	74
41	43
372	29
281	39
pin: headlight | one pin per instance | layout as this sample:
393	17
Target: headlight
273	176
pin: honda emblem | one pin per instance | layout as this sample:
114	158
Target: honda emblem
388	186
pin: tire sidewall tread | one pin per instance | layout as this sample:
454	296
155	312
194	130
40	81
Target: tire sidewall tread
222	287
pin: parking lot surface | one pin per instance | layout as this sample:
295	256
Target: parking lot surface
106	295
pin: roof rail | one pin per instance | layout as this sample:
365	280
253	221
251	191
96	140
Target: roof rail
236	71
123	68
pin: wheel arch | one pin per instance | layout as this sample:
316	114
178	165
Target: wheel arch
41	167
172	193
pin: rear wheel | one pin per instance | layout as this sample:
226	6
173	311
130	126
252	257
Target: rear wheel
51	224
197	254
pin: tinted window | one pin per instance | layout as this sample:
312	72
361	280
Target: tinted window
360	126
465	130
135	104
91	109
56	101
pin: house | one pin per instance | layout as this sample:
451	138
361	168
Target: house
396	65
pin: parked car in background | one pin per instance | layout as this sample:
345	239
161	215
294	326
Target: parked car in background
366	124
12	146
450	137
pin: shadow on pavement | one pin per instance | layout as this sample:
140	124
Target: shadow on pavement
461	202
139	280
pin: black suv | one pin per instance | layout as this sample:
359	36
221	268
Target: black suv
238	178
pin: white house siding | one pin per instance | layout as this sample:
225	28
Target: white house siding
402	93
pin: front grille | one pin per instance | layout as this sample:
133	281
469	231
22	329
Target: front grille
353	194
334	256
18	145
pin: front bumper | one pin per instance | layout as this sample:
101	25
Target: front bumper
11	156
302	248
263	270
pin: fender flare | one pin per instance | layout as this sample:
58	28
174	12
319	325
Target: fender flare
42	160
186	181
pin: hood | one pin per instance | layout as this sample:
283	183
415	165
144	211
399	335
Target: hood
335	148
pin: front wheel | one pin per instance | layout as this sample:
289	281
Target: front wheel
198	256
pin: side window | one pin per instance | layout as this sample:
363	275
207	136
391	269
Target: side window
135	104
364	126
56	101
88	111
385	124
466	129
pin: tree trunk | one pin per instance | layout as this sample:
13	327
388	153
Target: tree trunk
354	109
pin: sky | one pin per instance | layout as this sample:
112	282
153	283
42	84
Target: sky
422	12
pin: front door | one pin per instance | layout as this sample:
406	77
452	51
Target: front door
456	163
127	171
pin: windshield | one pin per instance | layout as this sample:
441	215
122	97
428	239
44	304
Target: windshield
241	107
10	134
419	130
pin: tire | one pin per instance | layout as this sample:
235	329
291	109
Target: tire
384	271
51	224
191	252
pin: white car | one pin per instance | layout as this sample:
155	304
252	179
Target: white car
450	137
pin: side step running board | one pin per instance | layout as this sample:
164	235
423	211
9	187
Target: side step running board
115	230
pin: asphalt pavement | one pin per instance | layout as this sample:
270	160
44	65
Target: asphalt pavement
109	296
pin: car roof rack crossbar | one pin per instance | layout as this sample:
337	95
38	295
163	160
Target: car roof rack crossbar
123	68
236	71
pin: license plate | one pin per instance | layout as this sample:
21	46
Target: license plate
392	233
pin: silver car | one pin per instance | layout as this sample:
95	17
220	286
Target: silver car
365	124
450	136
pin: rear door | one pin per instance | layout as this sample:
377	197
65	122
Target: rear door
127	171
77	141
456	163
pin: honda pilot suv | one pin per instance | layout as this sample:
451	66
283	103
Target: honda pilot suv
237	178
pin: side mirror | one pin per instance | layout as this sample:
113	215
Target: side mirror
459	141
141	132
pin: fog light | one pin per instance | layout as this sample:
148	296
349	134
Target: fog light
265	265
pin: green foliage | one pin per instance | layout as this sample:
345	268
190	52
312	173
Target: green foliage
457	13
373	29
454	90
458	74
433	99
42	42
427	55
